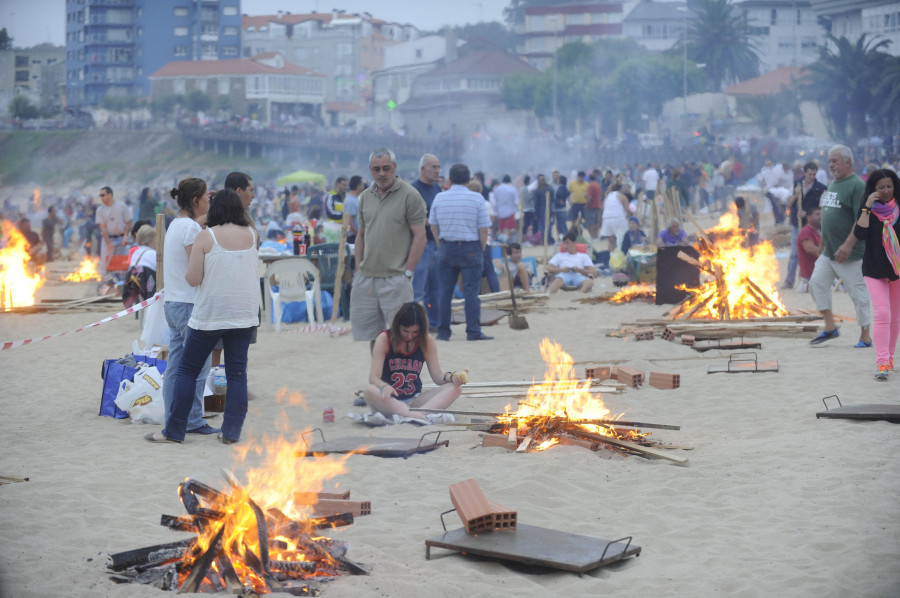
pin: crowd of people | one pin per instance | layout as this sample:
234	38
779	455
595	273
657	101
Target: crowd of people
418	245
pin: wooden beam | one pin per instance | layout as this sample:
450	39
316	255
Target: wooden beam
632	446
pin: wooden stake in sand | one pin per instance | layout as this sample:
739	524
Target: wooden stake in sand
338	285
160	247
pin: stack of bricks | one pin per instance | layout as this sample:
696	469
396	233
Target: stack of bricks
668	335
600	372
629	376
477	513
664	381
687	339
643	334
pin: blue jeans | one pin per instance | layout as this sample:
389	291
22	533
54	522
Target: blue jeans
425	283
561	227
197	349
489	272
466	258
794	260
177	316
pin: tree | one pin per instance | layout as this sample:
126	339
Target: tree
197	101
719	38
5	40
494	31
20	107
844	80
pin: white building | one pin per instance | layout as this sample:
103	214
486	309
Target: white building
547	28
656	25
852	18
786	32
402	64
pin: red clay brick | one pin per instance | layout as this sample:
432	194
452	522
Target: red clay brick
472	507
600	372
668	335
664	381
629	376
501	440
644	334
687	339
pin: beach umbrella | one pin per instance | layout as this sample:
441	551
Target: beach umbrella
302	176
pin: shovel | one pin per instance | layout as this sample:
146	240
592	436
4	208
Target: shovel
516	322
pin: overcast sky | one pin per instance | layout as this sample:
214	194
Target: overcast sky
32	22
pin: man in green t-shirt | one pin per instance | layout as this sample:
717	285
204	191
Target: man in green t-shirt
842	252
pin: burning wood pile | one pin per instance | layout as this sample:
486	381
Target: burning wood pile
87	270
19	278
239	547
260	537
634	292
571	414
740	279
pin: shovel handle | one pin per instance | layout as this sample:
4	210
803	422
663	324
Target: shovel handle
512	286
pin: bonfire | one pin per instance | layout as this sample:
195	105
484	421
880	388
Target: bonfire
563	406
739	280
17	282
87	270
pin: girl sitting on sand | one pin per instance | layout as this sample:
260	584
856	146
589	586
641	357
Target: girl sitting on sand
395	383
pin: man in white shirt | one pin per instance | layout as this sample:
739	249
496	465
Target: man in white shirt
507	200
570	268
651	179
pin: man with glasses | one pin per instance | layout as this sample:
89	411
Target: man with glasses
114	220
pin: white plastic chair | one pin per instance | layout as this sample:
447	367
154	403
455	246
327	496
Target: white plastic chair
292	277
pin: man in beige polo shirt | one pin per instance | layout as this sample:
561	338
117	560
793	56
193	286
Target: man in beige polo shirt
388	246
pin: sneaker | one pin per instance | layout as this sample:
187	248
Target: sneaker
825	335
882	374
441	418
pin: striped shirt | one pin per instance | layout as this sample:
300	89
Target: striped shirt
459	214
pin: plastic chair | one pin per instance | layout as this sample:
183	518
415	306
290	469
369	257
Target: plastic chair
293	276
326	255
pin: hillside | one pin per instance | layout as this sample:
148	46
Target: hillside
66	161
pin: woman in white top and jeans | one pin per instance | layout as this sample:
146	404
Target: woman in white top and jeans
615	216
193	203
224	264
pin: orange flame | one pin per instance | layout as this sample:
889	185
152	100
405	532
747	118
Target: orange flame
17	284
271	485
87	270
749	277
635	292
561	396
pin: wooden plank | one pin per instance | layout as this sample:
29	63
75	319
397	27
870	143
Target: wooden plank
339	276
633	447
307	498
523	446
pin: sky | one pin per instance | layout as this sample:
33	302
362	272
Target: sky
32	22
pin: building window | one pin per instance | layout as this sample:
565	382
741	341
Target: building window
181	11
229	50
230	11
774	18
181	51
229	31
808	43
785	43
210	30
180	31
419	53
178	86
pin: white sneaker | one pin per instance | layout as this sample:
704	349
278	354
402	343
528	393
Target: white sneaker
441	418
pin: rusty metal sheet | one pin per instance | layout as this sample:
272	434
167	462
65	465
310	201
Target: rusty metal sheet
538	546
377	447
889	413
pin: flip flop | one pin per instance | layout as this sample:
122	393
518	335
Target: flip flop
160	438
825	335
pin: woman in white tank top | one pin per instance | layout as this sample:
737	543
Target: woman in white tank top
615	216
224	267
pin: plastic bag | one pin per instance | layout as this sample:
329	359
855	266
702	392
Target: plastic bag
142	398
156	329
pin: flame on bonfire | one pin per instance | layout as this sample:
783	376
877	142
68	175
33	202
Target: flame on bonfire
561	397
271	486
17	284
747	285
634	292
87	270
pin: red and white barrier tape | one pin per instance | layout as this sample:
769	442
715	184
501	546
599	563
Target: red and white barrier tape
134	308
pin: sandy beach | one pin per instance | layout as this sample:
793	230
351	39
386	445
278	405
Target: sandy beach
773	501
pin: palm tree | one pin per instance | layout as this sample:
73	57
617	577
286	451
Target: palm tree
719	38
843	81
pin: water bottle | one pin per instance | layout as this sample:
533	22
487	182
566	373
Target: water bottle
219	381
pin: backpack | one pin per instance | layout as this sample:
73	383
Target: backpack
140	283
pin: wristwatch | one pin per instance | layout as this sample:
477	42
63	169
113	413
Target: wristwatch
408	274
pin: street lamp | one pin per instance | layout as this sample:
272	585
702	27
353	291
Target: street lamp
553	19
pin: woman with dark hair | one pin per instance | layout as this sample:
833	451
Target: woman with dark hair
561	206
192	197
223	266
398	357
879	225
